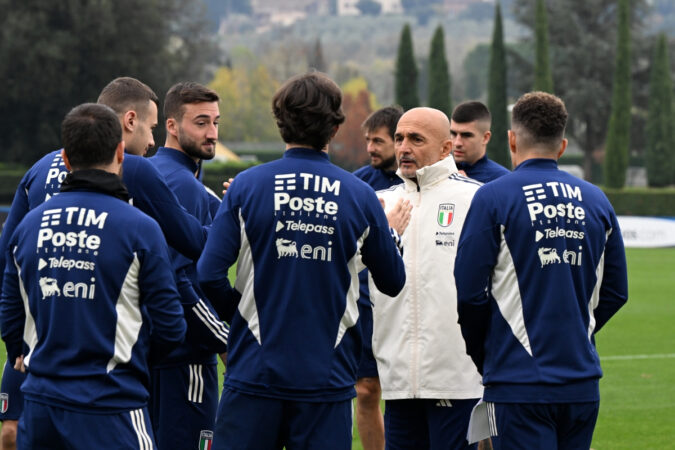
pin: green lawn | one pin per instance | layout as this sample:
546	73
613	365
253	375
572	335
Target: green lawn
637	348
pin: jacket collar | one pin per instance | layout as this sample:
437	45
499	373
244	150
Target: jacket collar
430	175
95	180
179	157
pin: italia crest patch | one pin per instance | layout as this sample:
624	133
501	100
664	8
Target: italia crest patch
446	211
205	439
4	402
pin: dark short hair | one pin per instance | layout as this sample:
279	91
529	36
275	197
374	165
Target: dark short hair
185	93
307	109
542	117
90	134
471	111
383	117
125	93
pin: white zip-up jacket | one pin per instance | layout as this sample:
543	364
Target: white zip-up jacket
417	341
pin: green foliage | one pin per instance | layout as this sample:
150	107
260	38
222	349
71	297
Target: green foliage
660	136
618	135
315	59
498	147
439	76
245	98
217	172
631	201
9	180
543	79
475	66
406	72
582	39
56	55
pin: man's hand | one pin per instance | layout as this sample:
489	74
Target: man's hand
223	356
18	364
226	185
399	216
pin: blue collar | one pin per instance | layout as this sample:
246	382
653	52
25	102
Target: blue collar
306	153
538	163
179	157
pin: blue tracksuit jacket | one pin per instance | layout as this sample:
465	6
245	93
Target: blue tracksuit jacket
540	268
88	286
149	192
483	170
179	170
302	229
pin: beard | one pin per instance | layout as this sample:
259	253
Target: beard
386	164
195	150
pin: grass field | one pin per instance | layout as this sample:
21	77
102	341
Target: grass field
637	349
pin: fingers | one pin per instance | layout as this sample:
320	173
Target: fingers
18	364
399	216
226	185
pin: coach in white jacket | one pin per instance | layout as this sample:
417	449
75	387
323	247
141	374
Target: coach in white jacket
428	381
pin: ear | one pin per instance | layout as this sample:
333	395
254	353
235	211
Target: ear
66	162
486	137
512	141
563	146
172	126
446	149
129	120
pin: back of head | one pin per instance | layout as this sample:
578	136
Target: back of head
539	119
184	93
308	110
125	93
471	111
90	134
384	117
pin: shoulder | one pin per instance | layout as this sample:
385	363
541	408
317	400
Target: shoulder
363	172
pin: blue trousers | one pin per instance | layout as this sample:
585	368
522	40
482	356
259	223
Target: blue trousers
45	427
561	426
253	422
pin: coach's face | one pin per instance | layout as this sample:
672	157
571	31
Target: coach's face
422	138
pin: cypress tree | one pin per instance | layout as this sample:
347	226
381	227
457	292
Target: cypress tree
439	77
543	79
498	147
406	72
660	157
618	134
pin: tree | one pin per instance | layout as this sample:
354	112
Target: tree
246	94
369	7
348	148
543	79
582	42
618	135
660	157
498	147
406	72
63	53
439	77
315	58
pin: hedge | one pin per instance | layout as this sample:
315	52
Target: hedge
216	172
627	201
643	201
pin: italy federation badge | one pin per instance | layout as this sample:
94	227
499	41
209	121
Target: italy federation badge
445	213
4	402
205	439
